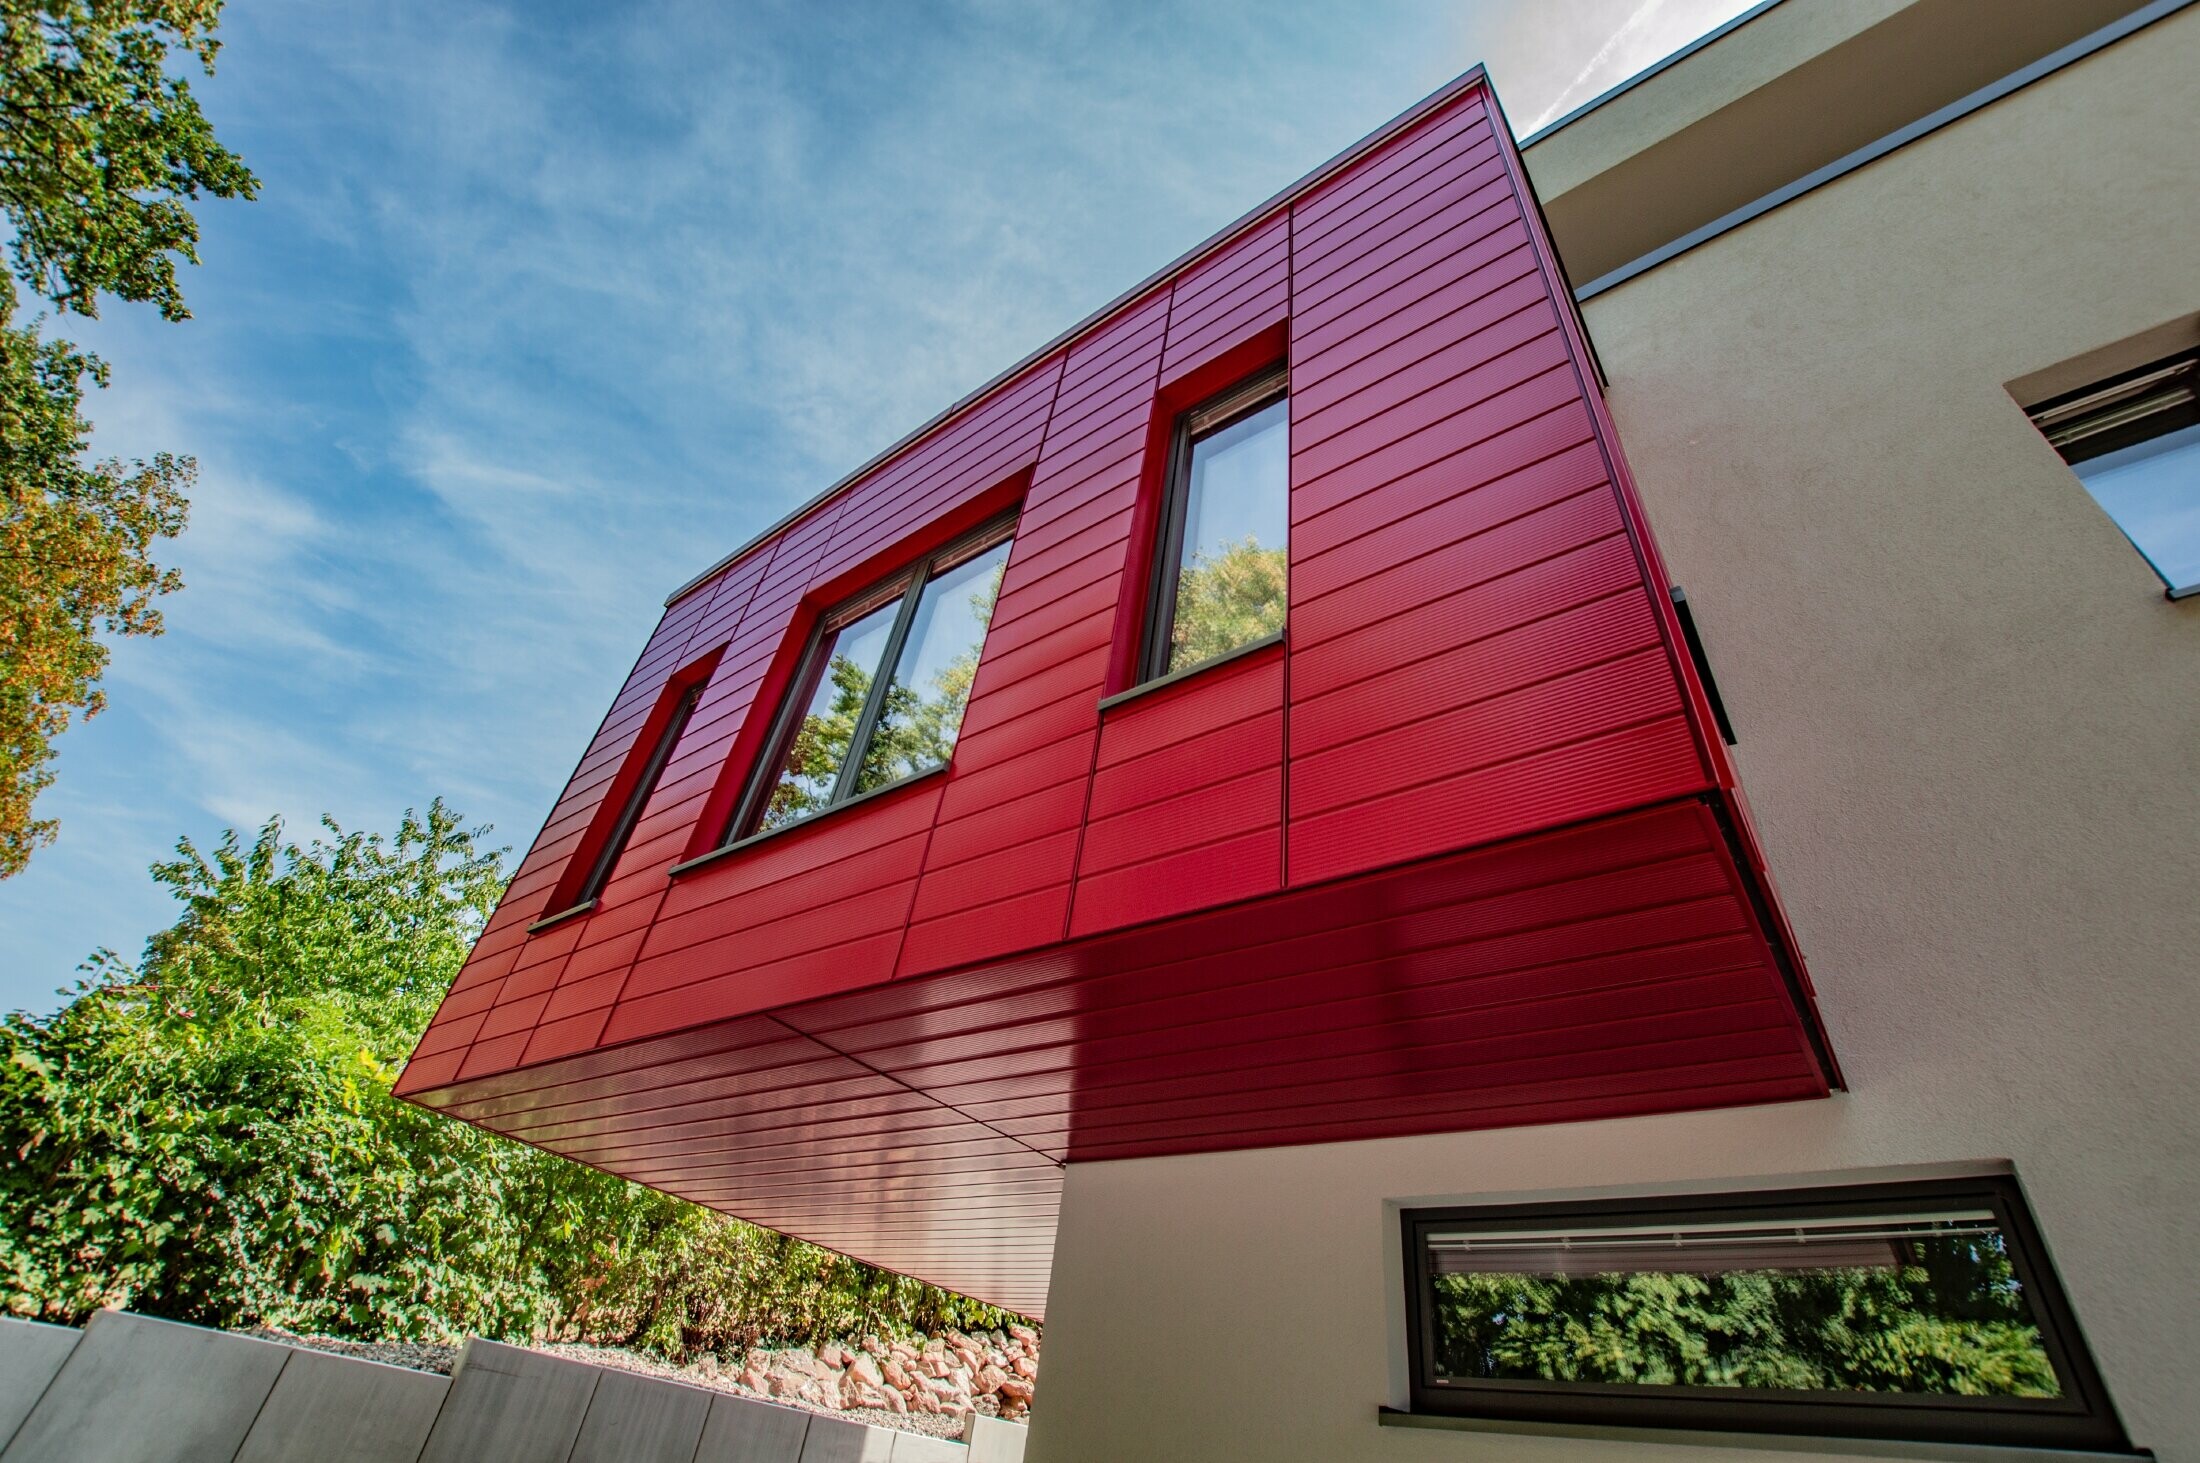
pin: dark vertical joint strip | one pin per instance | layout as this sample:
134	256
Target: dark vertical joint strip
1702	661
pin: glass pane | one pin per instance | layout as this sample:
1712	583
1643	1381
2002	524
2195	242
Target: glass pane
2152	490
1922	1304
819	749
923	710
1237	516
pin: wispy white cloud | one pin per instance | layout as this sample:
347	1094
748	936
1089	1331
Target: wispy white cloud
540	311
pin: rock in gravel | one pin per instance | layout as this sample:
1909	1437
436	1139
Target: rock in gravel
921	1388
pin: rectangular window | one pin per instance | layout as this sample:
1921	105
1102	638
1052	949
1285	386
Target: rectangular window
2134	442
1919	1311
1225	529
881	693
630	812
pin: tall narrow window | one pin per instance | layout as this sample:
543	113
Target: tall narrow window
881	692
637	798
1922	1311
2134	442
1225	529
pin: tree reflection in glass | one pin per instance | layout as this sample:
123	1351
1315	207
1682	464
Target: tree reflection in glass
819	748
1915	1304
1232	574
922	713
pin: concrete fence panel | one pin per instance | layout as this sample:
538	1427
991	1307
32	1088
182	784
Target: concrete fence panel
992	1440
340	1409
30	1355
129	1389
917	1448
136	1390
837	1440
743	1431
511	1405
638	1419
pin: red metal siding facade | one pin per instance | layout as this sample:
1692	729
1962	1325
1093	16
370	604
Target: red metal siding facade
1462	849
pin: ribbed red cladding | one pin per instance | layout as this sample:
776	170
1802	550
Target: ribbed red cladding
1460	851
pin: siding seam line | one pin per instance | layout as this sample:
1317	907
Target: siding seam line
780	1021
658	913
1099	720
924	857
1290	559
1601	429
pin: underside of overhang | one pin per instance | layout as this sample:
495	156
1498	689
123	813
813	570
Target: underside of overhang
1618	968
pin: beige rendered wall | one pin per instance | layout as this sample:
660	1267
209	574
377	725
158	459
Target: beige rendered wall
1971	736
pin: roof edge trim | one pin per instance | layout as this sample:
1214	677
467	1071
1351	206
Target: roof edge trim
1646	73
2078	50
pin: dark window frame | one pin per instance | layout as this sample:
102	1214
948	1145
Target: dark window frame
908	582
2082	1418
645	787
2122	410
1217	413
646	759
2125	410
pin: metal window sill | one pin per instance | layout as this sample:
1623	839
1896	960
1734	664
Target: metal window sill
573	911
1177	678
727	850
1813	1446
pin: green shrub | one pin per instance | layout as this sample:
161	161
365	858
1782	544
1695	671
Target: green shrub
208	1135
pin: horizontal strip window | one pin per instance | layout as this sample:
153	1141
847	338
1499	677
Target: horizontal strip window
882	689
2134	441
1915	1311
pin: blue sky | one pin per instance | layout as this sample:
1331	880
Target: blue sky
543	307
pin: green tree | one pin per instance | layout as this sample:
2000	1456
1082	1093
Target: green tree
1228	600
208	1134
101	151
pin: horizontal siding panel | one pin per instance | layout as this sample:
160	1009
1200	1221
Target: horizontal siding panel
1543	588
1468	200
1629	767
1327	205
1015	869
1368	320
1000	927
862	961
1215	873
1546	533
1180	818
1363	541
1565	708
1193	762
1502	661
1448	321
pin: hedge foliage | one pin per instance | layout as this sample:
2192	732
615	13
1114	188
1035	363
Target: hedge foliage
207	1134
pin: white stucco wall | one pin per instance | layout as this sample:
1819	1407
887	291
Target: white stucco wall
1971	737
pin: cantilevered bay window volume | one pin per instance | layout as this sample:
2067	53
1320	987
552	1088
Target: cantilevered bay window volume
882	690
1917	1311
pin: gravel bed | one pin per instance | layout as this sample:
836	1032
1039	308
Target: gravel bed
425	1356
